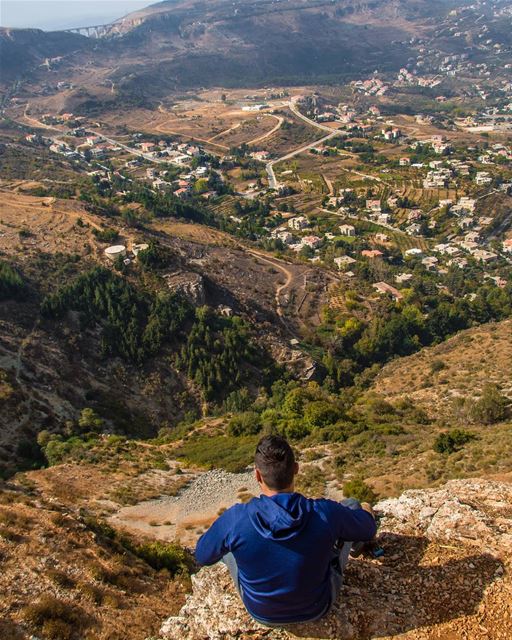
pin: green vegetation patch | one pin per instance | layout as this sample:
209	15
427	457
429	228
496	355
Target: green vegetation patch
218	451
12	284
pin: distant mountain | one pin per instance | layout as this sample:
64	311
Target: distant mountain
22	51
185	43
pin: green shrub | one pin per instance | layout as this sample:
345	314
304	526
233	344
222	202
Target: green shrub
452	441
11	283
359	490
106	235
171	556
245	424
437	366
491	408
224	452
321	413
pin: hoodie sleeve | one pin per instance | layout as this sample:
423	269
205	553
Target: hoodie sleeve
354	525
213	545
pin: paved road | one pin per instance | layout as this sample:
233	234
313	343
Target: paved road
131	150
332	133
270	165
292	105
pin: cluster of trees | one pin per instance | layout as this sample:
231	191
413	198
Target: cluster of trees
311	411
400	330
107	234
216	353
11	283
134	325
254	217
158	203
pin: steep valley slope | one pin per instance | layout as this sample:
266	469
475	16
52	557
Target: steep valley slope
52	369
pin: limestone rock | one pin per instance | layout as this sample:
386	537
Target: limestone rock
445	573
190	285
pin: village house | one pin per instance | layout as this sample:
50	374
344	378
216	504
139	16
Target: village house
381	237
405	162
461	263
483	178
92	140
498	280
286	237
371	253
373	205
182	193
484	256
311	241
430	263
298	223
507	245
467	204
413	229
466	223
260	155
347	230
385	288
414	252
413	215
472	236
402	278
146	147
342	262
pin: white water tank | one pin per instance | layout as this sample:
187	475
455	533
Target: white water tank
115	251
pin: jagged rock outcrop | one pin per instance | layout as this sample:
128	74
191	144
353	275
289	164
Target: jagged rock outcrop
445	574
190	285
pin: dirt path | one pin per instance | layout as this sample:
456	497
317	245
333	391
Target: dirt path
329	185
225	133
275	263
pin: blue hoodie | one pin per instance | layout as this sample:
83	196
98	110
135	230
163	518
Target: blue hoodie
283	547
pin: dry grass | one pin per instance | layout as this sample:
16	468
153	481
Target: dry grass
54	578
461	366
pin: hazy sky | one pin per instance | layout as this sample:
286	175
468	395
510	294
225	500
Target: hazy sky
65	14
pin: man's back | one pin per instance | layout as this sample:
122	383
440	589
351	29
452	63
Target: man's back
283	547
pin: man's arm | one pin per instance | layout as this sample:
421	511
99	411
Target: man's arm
354	525
213	545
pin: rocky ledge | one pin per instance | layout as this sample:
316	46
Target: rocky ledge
445	574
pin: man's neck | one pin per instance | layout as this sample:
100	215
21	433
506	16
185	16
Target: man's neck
267	491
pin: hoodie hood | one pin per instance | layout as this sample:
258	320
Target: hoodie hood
281	517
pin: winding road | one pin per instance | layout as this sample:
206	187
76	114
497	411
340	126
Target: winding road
292	105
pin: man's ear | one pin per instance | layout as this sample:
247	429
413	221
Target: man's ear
296	469
257	473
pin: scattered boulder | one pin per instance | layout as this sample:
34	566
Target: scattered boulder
445	574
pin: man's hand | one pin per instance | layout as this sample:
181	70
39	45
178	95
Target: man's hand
366	506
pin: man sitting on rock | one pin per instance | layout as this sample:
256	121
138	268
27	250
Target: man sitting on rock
286	553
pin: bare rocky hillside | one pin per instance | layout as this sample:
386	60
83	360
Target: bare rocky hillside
459	367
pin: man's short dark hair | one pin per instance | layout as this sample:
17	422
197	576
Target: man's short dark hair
275	461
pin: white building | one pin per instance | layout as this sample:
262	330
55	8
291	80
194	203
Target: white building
342	262
347	230
298	223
